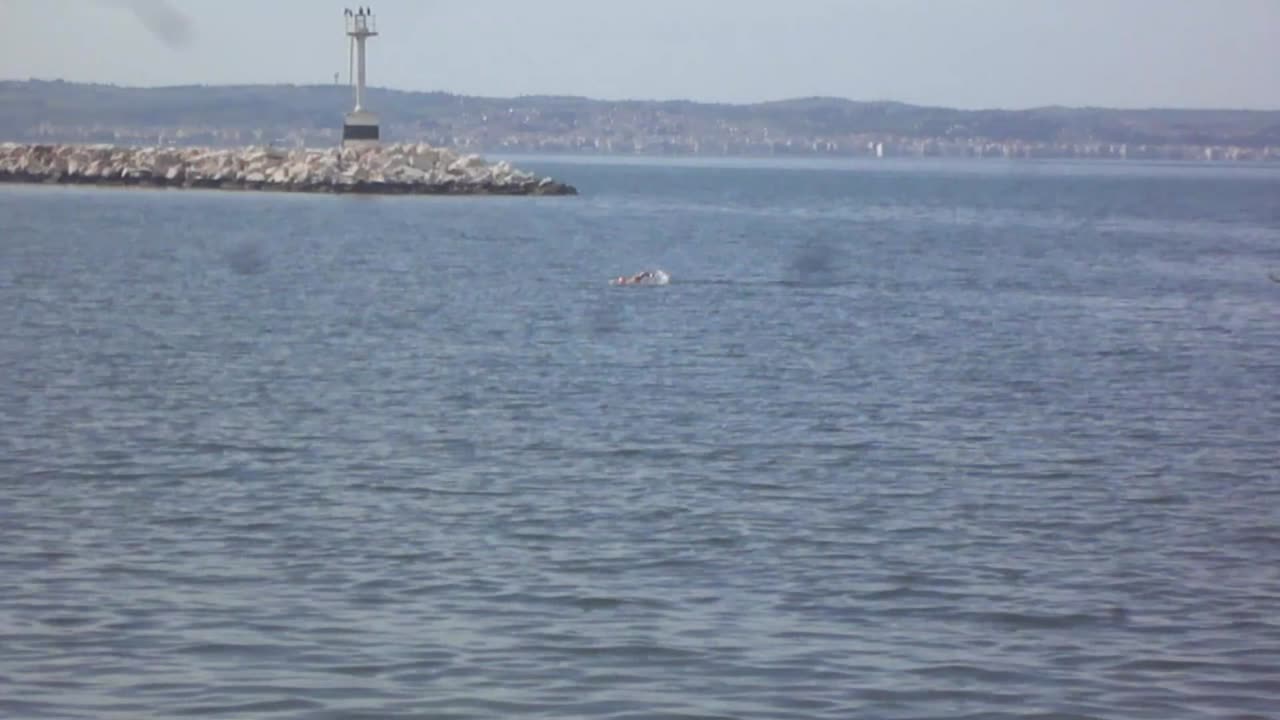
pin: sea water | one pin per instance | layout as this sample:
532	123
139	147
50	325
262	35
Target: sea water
899	440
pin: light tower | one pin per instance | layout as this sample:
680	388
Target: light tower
360	128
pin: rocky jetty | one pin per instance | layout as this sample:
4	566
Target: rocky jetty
404	169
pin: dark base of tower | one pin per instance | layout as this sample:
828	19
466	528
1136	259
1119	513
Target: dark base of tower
360	132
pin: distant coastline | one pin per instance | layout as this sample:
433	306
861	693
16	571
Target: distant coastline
293	116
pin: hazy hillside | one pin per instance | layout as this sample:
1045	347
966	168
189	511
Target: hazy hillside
58	111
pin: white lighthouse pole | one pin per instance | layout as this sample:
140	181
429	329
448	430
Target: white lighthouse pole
360	76
361	126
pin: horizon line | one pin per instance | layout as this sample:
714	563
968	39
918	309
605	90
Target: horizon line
689	101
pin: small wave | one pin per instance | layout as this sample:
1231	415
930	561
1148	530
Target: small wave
364	671
599	603
1041	621
971	673
265	706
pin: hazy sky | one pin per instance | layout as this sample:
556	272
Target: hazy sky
963	53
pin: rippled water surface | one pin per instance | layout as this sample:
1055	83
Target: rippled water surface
898	441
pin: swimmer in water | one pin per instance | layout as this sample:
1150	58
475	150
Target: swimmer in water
633	279
647	277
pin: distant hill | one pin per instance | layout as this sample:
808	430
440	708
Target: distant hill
61	111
